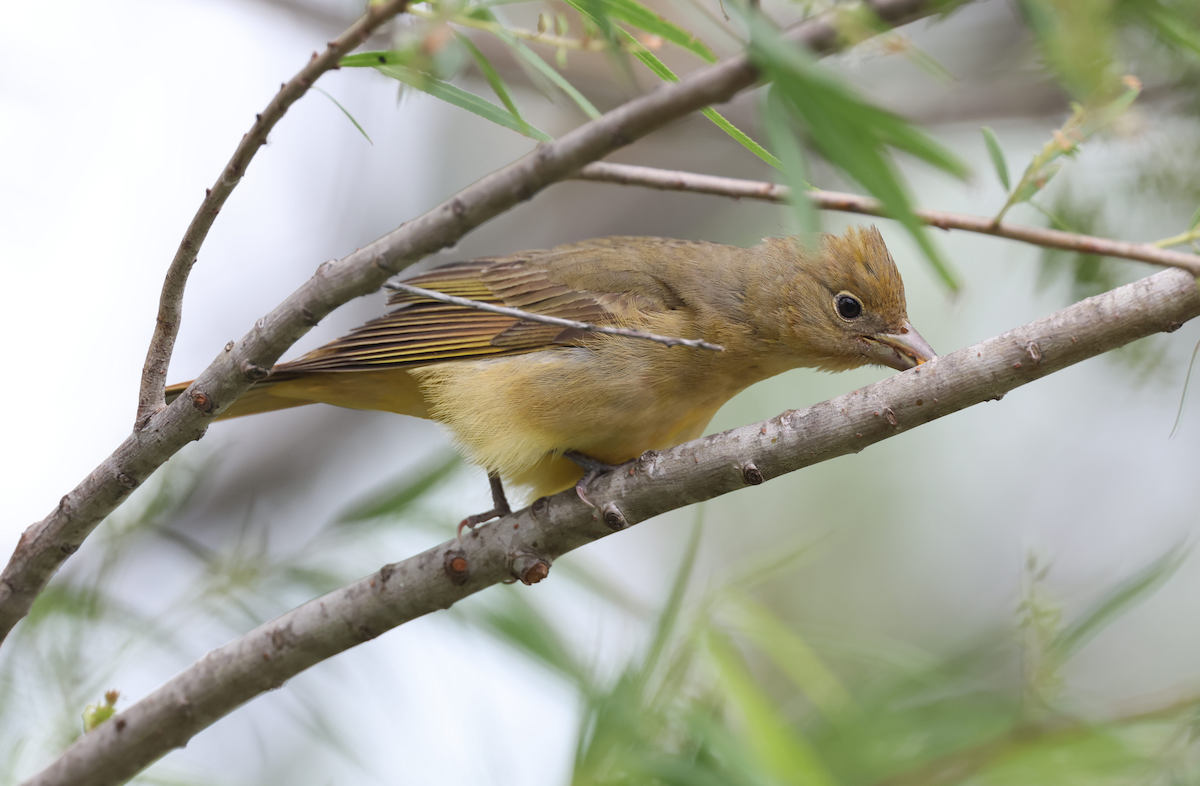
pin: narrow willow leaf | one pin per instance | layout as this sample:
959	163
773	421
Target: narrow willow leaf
784	754
740	136
545	69
660	69
1167	24
461	99
396	496
852	134
1195	219
1183	394
493	79
777	125
794	657
344	112
523	627
997	156
646	20
670	612
1129	592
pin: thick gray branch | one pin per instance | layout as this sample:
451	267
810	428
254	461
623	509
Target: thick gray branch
524	544
47	544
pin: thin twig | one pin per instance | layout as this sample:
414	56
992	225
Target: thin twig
525	544
527	316
170	305
46	544
668	180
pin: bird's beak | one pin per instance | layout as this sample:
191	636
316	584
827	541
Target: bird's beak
901	350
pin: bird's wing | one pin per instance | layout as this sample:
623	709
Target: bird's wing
422	331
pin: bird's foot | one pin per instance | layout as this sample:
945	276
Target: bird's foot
592	469
500	507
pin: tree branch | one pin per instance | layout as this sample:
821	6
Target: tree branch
668	180
46	545
524	544
170	304
529	316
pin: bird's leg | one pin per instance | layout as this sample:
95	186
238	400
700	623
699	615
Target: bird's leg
591	468
499	509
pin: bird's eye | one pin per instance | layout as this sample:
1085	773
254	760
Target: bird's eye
848	307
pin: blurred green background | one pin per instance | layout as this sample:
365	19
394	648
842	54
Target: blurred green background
1005	596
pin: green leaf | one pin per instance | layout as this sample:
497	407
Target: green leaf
660	69
1120	599
670	612
783	753
852	134
740	137
545	69
396	496
997	156
1171	27
1078	41
493	79
344	112
777	125
523	627
371	59
643	18
461	99
794	657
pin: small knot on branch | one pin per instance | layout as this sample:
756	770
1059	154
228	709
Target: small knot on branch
614	519
456	566
529	568
202	402
254	373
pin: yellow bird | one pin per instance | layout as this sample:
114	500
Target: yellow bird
538	404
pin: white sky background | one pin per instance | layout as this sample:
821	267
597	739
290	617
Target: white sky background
111	133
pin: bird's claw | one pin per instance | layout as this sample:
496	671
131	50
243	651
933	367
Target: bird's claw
592	469
470	521
499	510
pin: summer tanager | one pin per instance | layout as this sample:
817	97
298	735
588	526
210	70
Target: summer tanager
518	395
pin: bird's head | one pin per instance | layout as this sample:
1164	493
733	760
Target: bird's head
846	305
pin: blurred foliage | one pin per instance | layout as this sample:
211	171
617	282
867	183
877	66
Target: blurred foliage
725	692
722	691
57	668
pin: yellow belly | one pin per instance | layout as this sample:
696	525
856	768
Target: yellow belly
516	415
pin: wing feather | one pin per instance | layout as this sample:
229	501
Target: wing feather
420	331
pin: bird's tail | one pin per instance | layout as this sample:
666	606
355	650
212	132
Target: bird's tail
259	398
390	390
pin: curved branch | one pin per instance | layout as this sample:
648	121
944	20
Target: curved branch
668	180
46	545
170	304
524	544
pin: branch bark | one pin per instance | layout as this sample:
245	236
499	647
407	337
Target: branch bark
44	547
524	544
170	304
669	180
